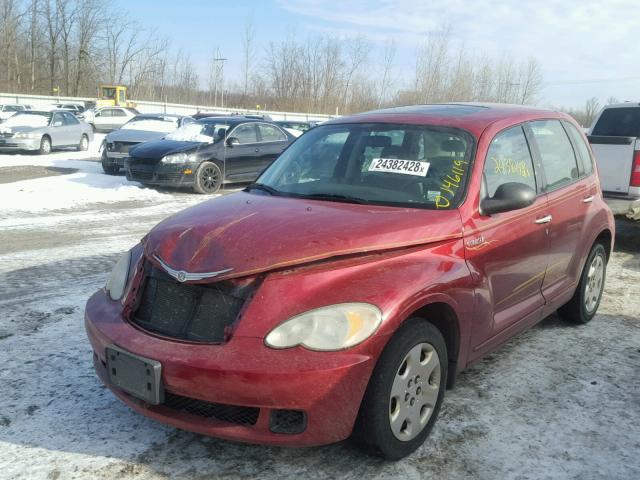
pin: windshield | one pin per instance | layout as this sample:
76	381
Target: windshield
162	125
23	119
414	165
199	132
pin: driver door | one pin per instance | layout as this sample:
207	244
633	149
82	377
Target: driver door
242	161
508	251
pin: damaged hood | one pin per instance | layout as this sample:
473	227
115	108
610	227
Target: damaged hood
246	233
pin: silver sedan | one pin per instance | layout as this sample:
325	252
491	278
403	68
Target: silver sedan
44	131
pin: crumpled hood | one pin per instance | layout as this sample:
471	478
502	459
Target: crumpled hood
132	135
251	233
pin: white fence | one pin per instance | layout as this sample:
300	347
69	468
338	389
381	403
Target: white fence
43	101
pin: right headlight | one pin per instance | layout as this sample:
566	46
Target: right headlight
334	327
177	158
117	281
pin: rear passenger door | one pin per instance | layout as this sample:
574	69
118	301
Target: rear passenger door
272	142
74	132
570	192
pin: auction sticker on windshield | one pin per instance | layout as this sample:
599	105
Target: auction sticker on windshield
394	165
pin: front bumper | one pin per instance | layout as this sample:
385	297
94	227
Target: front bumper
115	158
12	143
171	175
327	386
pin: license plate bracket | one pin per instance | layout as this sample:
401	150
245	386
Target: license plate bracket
136	375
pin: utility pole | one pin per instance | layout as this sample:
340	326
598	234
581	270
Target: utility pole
221	70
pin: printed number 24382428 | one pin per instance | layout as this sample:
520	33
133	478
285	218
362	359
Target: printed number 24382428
394	165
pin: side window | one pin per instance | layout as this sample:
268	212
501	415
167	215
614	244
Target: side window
187	121
57	120
104	113
245	133
582	148
508	160
69	119
269	133
118	113
556	153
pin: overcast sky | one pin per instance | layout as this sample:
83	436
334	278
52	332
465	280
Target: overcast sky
587	49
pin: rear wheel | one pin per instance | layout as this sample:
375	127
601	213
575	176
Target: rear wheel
208	178
45	146
83	146
405	392
585	301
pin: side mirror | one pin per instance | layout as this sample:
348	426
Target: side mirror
509	196
232	142
57	123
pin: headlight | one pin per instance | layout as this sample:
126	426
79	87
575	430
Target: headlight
178	158
328	328
26	135
118	279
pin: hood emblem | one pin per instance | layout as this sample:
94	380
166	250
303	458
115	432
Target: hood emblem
183	276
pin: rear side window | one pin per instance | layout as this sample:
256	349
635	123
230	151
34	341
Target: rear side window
508	160
556	153
618	122
118	113
581	146
270	133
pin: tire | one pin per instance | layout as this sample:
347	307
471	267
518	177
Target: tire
208	178
107	167
382	425
585	301
45	146
83	146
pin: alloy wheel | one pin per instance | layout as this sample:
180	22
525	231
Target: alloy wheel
595	283
210	179
414	392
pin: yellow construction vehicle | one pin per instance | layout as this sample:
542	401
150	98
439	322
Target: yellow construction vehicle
112	96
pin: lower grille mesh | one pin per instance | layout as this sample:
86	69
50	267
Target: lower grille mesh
219	411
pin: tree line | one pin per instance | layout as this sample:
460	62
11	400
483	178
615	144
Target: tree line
70	47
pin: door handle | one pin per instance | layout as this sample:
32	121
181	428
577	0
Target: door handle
588	199
546	219
257	150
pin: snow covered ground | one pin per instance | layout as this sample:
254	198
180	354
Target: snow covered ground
557	402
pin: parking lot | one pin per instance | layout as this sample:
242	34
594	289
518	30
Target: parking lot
559	401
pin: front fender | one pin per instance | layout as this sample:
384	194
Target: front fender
398	282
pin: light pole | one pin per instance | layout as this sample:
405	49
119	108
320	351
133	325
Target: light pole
221	60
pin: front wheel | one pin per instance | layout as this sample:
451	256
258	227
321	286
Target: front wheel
405	391
208	178
83	146
108	168
45	146
585	301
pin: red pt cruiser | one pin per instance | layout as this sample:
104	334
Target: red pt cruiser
379	256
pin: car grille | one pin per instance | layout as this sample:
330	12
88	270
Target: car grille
198	313
6	134
139	172
219	411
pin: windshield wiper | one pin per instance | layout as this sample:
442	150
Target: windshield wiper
335	196
263	187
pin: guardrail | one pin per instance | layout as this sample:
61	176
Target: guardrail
44	101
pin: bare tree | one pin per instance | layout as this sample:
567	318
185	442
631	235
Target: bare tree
248	52
591	109
387	66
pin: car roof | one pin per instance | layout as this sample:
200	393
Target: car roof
473	117
231	119
158	115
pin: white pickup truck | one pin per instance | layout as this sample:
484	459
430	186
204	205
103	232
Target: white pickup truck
615	141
